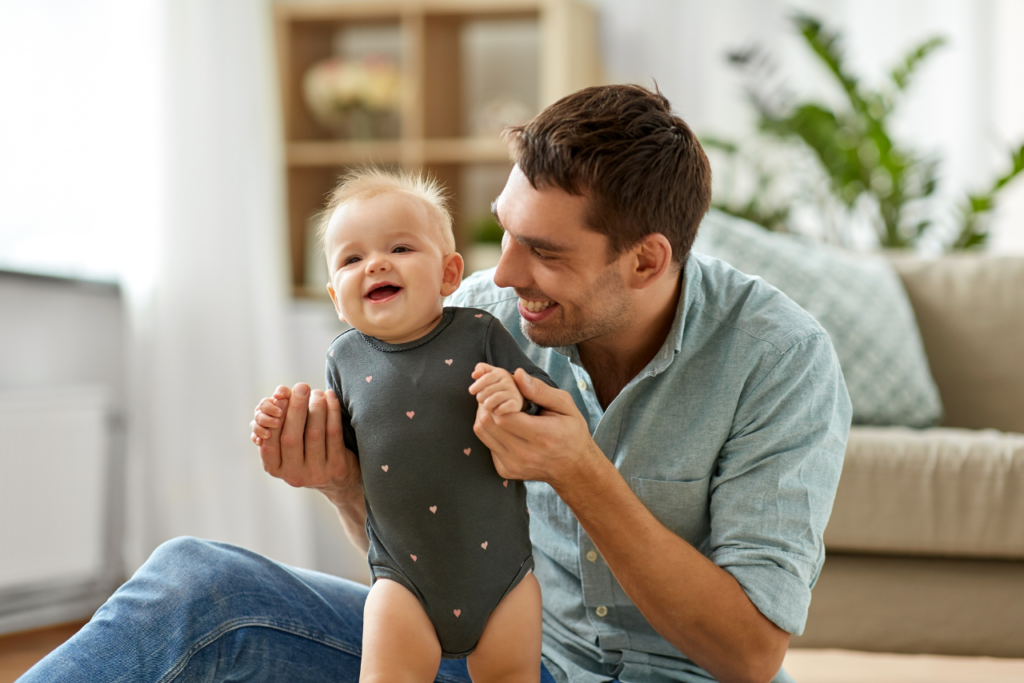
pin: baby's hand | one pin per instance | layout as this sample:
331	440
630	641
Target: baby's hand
268	417
495	390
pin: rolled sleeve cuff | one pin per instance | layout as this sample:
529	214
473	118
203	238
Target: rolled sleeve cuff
779	594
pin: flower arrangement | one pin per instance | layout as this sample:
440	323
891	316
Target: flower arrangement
355	98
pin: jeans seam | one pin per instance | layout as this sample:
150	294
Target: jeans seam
236	624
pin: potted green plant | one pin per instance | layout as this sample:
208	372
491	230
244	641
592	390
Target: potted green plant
867	169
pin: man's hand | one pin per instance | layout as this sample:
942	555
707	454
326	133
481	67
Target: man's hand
495	390
298	432
662	574
551	446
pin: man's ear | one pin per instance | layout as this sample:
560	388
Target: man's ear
652	258
451	276
334	298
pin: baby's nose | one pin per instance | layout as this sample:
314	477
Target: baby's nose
376	265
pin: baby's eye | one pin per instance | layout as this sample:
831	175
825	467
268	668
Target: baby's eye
350	260
400	250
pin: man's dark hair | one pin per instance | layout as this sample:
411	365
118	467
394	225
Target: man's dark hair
640	166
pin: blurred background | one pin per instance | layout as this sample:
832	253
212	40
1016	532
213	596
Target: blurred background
160	161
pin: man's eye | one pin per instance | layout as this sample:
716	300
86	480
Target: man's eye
539	255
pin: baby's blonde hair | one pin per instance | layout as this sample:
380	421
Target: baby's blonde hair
369	182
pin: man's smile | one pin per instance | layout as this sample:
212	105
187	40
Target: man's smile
535	310
535	305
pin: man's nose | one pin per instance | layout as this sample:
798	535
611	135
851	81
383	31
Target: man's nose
512	270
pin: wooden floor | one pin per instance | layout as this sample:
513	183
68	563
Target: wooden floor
19	651
845	666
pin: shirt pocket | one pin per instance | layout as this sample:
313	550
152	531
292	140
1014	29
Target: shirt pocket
681	506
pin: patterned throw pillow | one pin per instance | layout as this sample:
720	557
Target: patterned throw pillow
860	302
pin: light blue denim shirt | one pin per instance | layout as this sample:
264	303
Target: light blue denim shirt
732	436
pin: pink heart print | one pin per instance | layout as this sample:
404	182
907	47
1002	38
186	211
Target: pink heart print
410	413
368	378
331	354
456	612
450	361
505	483
484	545
479	315
384	467
413	557
466	450
433	509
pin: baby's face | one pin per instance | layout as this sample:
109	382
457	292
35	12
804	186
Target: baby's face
388	270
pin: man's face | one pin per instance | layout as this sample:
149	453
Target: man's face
568	291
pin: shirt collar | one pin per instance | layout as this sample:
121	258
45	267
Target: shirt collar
674	341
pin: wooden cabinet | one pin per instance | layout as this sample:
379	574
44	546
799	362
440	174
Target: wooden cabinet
438	44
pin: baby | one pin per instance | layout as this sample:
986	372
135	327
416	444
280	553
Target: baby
450	553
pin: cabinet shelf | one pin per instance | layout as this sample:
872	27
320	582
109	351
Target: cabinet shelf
436	48
464	150
405	152
323	153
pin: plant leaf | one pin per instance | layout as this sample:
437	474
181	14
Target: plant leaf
980	203
818	128
905	69
1016	167
825	44
719	144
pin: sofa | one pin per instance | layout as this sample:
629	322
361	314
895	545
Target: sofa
925	545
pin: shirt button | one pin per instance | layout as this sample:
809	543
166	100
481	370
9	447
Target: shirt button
601	611
592	555
582	385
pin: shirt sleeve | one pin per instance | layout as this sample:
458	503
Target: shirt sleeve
478	289
776	478
334	384
503	352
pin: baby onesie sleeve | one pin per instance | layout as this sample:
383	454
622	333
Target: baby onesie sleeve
334	384
504	352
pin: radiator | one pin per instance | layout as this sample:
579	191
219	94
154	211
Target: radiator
58	497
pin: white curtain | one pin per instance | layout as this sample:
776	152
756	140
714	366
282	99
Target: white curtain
210	318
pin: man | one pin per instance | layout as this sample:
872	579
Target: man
678	490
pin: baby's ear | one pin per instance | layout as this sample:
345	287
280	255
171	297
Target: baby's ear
451	276
334	298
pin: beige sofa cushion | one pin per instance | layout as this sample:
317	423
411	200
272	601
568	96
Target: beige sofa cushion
950	492
916	604
970	310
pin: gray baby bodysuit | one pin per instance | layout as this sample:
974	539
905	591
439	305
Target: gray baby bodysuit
441	520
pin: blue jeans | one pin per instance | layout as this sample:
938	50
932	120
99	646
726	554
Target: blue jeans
205	611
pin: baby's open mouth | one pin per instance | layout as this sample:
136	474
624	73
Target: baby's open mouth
383	292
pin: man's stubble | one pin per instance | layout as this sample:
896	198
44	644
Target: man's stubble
606	311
